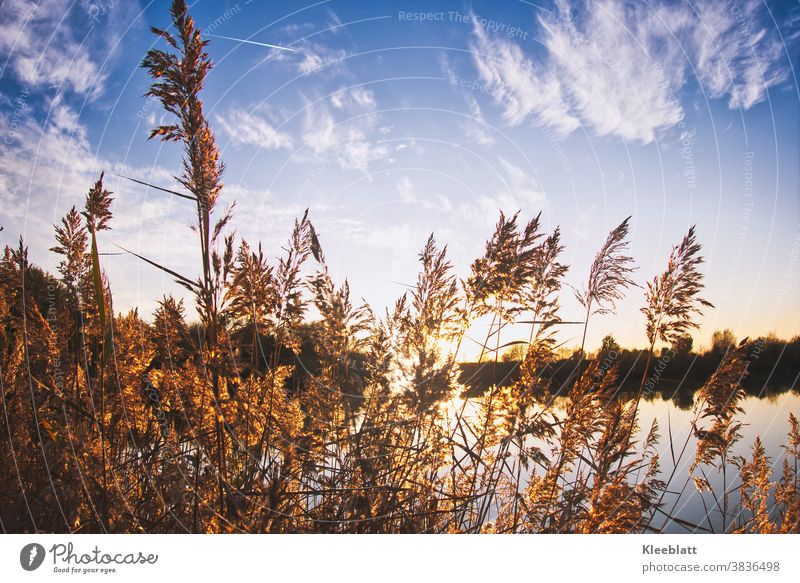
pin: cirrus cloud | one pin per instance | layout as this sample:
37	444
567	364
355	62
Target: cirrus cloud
248	128
619	68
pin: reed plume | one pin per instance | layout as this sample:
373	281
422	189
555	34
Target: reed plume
716	426
673	298
292	407
608	277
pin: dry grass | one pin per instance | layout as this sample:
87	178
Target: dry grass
257	420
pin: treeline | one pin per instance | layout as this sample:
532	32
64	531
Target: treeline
675	374
255	420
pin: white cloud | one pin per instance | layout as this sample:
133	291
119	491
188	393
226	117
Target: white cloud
522	184
518	189
525	91
48	166
354	97
406	190
43	163
294	28
427	201
585	217
60	43
444	204
735	56
400	238
489	208
306	57
618	67
248	128
334	23
347	142
617	70
476	129
316	58
358	151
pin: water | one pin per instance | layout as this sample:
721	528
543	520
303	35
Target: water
767	417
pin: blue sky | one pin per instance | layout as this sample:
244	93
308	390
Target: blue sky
392	120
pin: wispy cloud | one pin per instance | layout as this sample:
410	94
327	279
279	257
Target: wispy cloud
619	68
526	91
308	58
406	190
316	58
517	189
357	97
302	56
251	129
48	166
476	129
349	142
57	43
334	22
52	157
523	184
736	57
425	200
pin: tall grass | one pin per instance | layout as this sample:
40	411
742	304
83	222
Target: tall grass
259	418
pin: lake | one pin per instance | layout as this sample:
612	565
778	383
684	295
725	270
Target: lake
767	417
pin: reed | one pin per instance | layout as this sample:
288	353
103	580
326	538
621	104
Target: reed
609	276
291	407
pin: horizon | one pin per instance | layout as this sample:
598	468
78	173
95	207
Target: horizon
276	268
392	124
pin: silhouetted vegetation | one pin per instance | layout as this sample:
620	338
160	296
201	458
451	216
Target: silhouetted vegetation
773	369
262	418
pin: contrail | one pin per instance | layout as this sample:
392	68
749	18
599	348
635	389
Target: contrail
252	42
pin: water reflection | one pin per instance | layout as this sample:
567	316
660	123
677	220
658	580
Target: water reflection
767	417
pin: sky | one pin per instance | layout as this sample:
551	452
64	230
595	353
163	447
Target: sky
393	120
